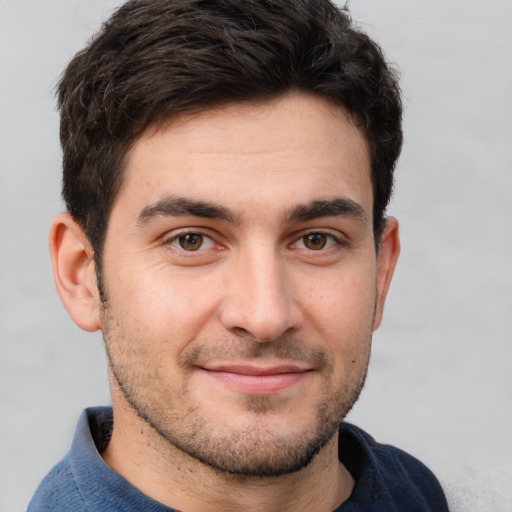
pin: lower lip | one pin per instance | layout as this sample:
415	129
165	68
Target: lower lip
258	384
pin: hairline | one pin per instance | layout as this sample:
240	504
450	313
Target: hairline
160	123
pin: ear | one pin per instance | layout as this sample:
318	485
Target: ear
389	250
74	272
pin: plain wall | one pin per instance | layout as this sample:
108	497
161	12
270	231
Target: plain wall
440	382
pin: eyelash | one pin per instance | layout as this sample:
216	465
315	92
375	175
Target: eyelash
174	241
331	241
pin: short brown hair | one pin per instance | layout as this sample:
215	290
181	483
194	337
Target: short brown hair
155	59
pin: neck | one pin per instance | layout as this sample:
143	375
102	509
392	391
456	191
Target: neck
171	477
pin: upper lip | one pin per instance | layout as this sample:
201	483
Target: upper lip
257	369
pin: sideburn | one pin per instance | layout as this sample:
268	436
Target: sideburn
99	277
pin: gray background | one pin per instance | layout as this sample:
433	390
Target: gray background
439	383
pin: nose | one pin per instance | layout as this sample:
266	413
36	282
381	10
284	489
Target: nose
260	302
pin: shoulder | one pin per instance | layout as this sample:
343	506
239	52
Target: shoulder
57	492
83	482
388	475
62	489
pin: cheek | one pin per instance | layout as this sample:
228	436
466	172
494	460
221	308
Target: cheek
162	306
343	307
340	314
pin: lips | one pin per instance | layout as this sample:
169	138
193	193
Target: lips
259	380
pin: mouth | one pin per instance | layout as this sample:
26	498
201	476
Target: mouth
257	379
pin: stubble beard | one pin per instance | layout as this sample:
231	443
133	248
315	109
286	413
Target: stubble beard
258	451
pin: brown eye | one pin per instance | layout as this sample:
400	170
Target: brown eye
190	241
315	241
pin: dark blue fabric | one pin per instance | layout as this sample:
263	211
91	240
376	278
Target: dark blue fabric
387	479
83	482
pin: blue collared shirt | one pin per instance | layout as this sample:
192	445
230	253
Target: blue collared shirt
387	479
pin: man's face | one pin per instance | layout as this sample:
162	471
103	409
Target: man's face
240	277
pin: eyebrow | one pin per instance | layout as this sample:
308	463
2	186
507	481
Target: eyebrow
337	207
176	206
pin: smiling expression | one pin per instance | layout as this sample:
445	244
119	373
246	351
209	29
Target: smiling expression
241	281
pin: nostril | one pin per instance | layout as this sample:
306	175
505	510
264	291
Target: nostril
241	332
261	334
258	304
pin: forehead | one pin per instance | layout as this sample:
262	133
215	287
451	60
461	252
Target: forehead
277	153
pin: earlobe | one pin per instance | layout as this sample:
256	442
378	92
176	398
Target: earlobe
389	250
74	272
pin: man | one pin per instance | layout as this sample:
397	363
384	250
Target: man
227	165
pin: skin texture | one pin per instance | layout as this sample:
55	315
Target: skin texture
242	288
